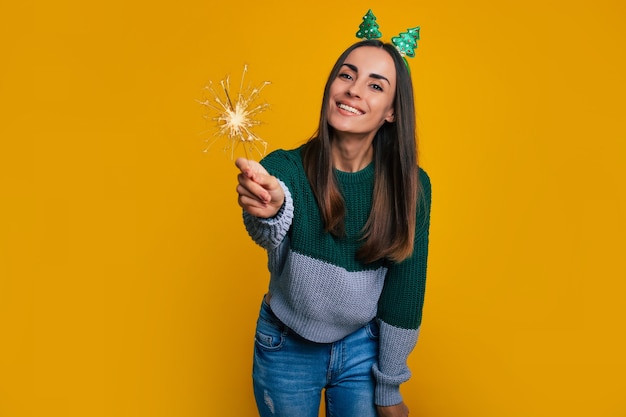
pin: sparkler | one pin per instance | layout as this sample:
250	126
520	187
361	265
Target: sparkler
235	120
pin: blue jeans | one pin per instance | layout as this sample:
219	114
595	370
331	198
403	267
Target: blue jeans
289	372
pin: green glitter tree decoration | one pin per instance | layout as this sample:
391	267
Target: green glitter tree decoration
369	28
406	42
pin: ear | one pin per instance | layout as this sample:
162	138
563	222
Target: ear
391	116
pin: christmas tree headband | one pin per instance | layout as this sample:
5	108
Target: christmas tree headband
405	42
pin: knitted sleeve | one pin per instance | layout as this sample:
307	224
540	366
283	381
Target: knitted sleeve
400	309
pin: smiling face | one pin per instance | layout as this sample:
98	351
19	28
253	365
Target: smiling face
361	97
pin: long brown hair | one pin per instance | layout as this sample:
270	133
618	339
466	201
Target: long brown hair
389	232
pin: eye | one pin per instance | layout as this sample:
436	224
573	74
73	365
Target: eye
377	87
345	76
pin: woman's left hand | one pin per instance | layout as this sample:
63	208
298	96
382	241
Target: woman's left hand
398	410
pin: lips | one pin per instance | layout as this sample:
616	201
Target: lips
350	109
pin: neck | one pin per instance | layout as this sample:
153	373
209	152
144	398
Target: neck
352	154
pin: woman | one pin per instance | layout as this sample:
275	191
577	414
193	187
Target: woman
345	220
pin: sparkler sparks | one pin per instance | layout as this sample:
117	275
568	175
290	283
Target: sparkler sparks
235	120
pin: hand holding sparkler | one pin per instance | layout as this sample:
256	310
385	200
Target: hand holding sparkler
260	194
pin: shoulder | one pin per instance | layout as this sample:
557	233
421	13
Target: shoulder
424	199
283	162
282	154
423	176
424	180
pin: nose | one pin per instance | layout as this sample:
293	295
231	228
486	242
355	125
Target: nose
354	90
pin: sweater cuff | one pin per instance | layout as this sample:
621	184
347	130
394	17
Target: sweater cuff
395	345
386	392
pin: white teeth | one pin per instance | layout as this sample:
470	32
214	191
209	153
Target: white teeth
350	109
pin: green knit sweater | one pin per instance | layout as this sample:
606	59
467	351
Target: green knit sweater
321	291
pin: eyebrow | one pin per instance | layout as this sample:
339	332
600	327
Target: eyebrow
372	75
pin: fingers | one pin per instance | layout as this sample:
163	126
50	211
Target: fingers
259	192
398	410
250	190
254	186
253	197
254	180
242	163
250	203
250	167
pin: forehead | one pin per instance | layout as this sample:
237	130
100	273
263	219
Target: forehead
372	60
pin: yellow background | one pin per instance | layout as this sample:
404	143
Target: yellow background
129	287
